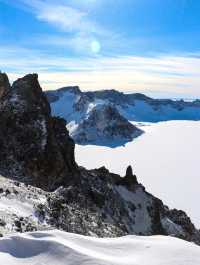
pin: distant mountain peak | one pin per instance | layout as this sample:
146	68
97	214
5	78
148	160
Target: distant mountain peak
77	108
105	126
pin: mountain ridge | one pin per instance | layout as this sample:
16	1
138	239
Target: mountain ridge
58	192
75	106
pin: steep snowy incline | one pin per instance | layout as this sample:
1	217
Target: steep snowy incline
61	248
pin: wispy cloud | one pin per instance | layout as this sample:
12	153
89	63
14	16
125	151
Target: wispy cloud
70	18
164	73
63	16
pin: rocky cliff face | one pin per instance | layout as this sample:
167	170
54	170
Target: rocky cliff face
35	148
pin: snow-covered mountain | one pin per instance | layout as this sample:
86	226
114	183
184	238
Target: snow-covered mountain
88	114
42	187
61	248
91	122
105	126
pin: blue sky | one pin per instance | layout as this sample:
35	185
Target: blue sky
150	46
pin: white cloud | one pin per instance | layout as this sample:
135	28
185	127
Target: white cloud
63	16
166	73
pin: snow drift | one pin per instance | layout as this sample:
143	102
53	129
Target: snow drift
61	248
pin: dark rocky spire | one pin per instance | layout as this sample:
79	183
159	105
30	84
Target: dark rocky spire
130	180
129	171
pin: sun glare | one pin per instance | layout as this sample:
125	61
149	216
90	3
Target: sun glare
95	46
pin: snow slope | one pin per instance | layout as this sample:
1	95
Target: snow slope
166	158
61	248
64	106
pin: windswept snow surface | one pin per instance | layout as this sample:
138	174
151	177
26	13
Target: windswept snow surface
165	158
61	248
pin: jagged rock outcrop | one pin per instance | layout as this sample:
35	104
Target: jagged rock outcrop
184	228
35	148
33	145
103	206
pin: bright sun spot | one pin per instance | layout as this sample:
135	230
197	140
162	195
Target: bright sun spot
95	46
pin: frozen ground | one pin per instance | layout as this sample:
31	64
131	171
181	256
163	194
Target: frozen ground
61	248
18	203
166	160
